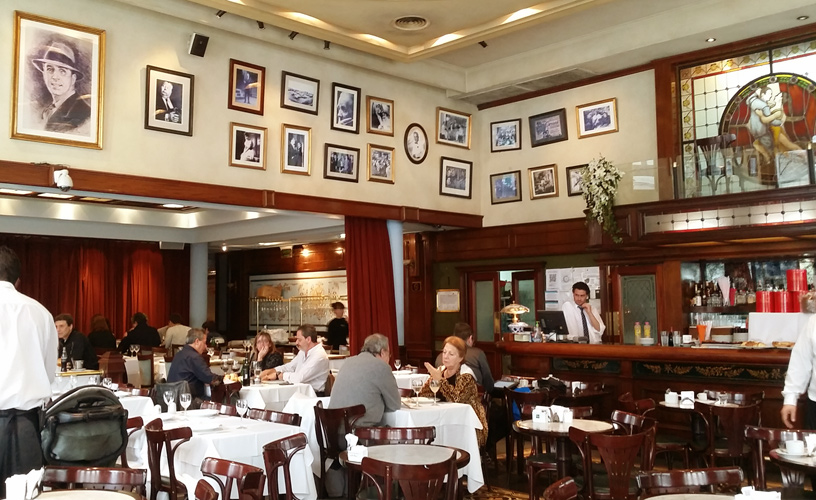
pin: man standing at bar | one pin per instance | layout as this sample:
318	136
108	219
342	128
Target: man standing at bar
583	321
28	341
801	377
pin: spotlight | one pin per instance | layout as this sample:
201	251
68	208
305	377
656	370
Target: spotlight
326	45
483	44
710	40
803	18
220	13
260	25
224	247
292	35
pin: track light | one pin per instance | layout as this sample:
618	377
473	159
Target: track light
292	35
260	25
220	13
483	44
326	45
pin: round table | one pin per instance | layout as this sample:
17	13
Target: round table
794	469
560	431
88	495
691	496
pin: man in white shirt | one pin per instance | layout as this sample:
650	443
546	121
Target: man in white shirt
310	366
28	341
176	332
583	320
801	377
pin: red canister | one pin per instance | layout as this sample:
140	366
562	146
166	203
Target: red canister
763	301
794	304
797	280
779	301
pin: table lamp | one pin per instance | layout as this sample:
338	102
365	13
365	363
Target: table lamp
516	326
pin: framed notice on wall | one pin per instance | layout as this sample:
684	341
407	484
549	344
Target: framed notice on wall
447	300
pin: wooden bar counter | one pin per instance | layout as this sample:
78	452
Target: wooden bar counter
649	371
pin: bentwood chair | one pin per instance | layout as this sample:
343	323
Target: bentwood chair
416	482
274	416
710	480
159	439
563	489
725	431
764	439
371	436
108	478
618	455
331	425
222	409
520	400
133	425
278	455
248	479
205	491
629	404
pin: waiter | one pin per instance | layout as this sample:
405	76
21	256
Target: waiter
583	321
28	341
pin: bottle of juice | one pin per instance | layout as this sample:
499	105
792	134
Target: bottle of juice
647	330
637	332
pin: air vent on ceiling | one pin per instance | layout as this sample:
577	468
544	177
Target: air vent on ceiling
410	23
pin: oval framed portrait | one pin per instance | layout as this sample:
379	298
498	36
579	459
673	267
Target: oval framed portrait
416	143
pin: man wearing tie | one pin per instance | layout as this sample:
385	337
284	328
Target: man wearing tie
583	321
165	108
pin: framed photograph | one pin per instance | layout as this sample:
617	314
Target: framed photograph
57	90
506	187
505	136
296	150
453	128
548	127
169	101
345	108
342	163
299	92
380	163
416	143
543	182
455	177
447	300
380	116
247	146
246	87
597	118
575	184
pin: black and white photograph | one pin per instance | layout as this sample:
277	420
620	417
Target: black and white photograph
549	127
416	143
455	177
296	147
380	163
169	101
597	118
342	163
452	128
380	115
57	90
505	136
575	183
345	108
247	146
543	182
506	187
299	92
246	87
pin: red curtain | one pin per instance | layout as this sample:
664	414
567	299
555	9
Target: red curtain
370	282
83	277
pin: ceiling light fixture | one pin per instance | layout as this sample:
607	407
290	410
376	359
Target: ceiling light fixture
343	235
803	18
260	25
326	45
711	39
521	14
172	205
483	44
15	191
223	247
220	13
293	34
305	252
56	195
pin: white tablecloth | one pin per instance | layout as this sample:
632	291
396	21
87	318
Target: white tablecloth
304	406
274	395
139	406
134	373
405	377
62	382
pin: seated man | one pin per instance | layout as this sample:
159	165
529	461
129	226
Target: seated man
475	358
367	379
310	366
189	365
141	334
76	345
176	332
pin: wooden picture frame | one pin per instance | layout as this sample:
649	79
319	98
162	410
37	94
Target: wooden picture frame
75	56
247	146
455	177
549	127
169	101
543	182
380	116
505	135
380	163
247	84
597	118
296	149
342	163
415	143
447	300
505	187
453	128
345	108
300	93
575	182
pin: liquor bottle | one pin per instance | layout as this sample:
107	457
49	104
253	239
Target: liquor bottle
64	360
698	301
705	294
245	376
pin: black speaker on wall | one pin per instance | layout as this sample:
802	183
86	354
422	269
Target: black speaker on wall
198	45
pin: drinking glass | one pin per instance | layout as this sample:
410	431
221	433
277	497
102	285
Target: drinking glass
722	398
94	379
256	369
169	397
73	381
242	407
137	348
397	364
106	382
210	352
416	385
435	385
186	399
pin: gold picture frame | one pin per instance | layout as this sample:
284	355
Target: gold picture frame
247	146
597	118
380	163
296	150
447	300
453	128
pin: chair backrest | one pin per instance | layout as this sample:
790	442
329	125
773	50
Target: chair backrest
563	489
248	478
332	424
630	404
329	384
762	440
223	409
159	439
417	482
406	393
618	454
371	436
728	422
205	491
279	454
133	425
87	478
146	369
517	400
178	388
710	480
275	416
629	423
112	365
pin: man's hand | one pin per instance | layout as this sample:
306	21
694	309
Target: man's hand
788	415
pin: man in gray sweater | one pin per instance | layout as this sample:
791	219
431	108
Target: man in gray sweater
367	379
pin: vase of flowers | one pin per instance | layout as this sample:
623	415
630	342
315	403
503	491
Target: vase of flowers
600	183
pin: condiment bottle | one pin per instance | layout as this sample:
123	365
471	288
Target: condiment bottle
647	330
637	332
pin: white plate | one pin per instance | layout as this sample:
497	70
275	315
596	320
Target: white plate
123	394
786	454
202	413
204	425
273	382
422	400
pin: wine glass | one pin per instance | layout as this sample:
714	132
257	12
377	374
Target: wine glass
210	352
94	379
137	348
132	349
169	397
106	382
186	400
435	385
416	385
229	364
73	381
257	369
242	407
397	364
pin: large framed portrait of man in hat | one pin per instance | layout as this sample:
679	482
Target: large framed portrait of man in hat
58	82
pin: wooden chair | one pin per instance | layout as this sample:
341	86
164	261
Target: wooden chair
223	409
519	400
709	480
331	425
676	436
631	423
371	436
133	425
107	478
178	388
406	393
278	454
563	489
725	432
248	479
629	404
274	416
138	391
205	491
417	482
158	439
146	369
112	365
762	440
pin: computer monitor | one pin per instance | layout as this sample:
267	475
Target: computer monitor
552	321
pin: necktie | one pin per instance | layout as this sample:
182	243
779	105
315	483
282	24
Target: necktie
584	321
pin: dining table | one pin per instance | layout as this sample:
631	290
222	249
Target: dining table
692	496
405	377
273	394
88	495
560	432
794	468
65	381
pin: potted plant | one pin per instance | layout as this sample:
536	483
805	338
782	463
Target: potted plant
600	184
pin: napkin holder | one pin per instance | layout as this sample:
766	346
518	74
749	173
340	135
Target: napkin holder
687	399
748	492
356	452
542	415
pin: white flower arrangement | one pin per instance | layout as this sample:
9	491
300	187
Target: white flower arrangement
600	183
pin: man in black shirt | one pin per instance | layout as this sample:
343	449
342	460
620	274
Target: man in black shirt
338	327
141	334
77	345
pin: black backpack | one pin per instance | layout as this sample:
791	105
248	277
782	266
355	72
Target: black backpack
86	426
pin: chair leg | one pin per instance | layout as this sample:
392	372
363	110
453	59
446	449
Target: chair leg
520	456
531	480
508	456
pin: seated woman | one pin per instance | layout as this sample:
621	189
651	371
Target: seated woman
101	335
458	383
266	354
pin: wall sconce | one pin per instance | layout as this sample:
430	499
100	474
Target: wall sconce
305	252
